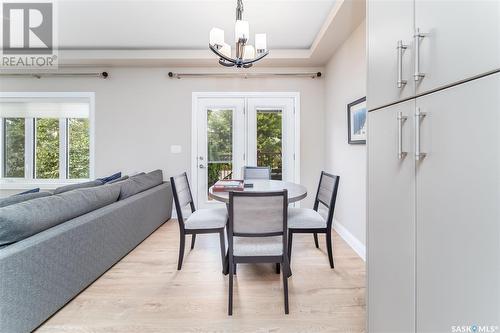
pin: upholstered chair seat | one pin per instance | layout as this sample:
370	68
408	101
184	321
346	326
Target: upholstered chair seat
305	218
210	218
258	246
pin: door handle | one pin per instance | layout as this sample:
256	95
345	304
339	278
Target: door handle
401	119
418	35
201	166
401	48
418	117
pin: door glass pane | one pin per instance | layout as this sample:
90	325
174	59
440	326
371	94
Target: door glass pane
14	147
269	141
220	145
78	148
47	148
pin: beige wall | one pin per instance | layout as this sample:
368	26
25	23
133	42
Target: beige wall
140	112
345	81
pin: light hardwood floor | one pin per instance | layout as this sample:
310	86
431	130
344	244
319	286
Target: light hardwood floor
145	293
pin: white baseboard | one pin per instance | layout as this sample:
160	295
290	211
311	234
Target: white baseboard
349	238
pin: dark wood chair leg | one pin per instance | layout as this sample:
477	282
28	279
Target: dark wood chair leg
230	305
316	240
181	250
285	290
222	247
290	238
234	270
193	239
329	247
278	269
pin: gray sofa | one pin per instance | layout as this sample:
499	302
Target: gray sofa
41	273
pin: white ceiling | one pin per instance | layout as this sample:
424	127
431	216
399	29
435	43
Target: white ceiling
301	33
185	24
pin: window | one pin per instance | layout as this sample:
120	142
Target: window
269	141
220	145
46	137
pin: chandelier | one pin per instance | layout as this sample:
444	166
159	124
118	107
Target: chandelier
246	54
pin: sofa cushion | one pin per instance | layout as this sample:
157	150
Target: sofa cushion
71	187
14	199
139	183
27	218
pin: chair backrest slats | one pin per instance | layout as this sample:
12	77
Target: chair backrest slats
255	172
327	194
326	188
182	194
258	214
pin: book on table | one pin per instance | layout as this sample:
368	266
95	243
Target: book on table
227	185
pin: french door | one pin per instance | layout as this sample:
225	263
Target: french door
232	132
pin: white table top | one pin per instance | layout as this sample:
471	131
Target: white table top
296	192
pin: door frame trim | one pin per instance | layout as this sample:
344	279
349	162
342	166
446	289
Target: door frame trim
194	124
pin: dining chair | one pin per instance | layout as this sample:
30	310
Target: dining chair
257	233
256	172
201	221
306	220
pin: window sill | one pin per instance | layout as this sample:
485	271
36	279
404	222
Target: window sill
23	184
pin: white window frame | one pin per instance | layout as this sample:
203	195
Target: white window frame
28	181
199	96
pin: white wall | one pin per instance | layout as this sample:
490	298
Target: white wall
140	112
345	76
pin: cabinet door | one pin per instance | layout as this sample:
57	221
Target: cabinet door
388	22
462	39
458	207
391	218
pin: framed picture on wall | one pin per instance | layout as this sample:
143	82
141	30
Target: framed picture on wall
356	121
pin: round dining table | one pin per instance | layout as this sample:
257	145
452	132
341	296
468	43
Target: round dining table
296	192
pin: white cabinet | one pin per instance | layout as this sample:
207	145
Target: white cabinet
391	228
434	221
442	42
389	22
460	39
458	207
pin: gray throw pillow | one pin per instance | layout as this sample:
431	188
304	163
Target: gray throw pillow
27	218
14	199
71	187
140	183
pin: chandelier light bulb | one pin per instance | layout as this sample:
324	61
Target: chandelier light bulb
241	31
217	37
225	50
261	43
248	52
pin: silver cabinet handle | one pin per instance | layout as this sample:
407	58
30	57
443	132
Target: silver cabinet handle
401	48
418	117
418	35
401	119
